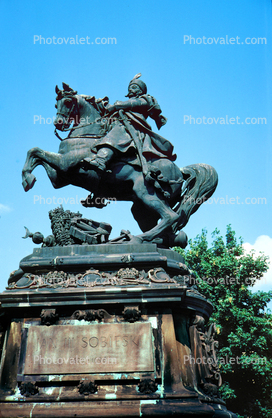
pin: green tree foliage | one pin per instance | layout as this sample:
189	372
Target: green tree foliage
225	275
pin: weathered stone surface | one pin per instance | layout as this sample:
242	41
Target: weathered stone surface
96	348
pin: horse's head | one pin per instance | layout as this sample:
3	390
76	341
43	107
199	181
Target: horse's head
66	107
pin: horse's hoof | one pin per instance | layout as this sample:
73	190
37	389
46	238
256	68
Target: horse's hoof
135	240
28	182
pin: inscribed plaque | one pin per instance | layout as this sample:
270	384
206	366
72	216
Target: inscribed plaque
94	348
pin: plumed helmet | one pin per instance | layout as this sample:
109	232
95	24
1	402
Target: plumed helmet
139	83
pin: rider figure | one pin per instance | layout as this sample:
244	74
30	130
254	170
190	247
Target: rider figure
130	131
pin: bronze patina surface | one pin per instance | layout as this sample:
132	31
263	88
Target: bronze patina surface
112	153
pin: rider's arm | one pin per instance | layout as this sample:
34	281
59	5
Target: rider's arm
154	111
138	104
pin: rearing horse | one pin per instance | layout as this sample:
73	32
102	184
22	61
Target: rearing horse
170	197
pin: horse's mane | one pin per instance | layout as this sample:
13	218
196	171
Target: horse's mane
99	104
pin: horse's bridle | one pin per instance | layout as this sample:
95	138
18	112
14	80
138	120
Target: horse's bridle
66	117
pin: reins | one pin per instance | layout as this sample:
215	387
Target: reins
79	136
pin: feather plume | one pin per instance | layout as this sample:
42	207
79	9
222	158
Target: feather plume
137	76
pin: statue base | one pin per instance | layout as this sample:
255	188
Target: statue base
107	330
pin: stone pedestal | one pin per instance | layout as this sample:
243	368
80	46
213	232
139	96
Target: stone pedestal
106	330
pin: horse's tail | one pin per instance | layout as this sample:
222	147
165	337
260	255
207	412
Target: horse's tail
200	183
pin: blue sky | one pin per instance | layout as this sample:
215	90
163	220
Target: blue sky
184	52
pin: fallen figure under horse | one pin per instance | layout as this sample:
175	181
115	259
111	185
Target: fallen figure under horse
164	196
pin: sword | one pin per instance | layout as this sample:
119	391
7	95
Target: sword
136	141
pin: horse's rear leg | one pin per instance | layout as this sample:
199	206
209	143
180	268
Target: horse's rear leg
150	218
154	204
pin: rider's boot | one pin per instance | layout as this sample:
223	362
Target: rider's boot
99	164
99	161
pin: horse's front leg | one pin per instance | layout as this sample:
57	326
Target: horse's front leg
35	157
28	179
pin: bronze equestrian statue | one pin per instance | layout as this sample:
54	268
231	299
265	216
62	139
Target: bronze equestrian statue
111	150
